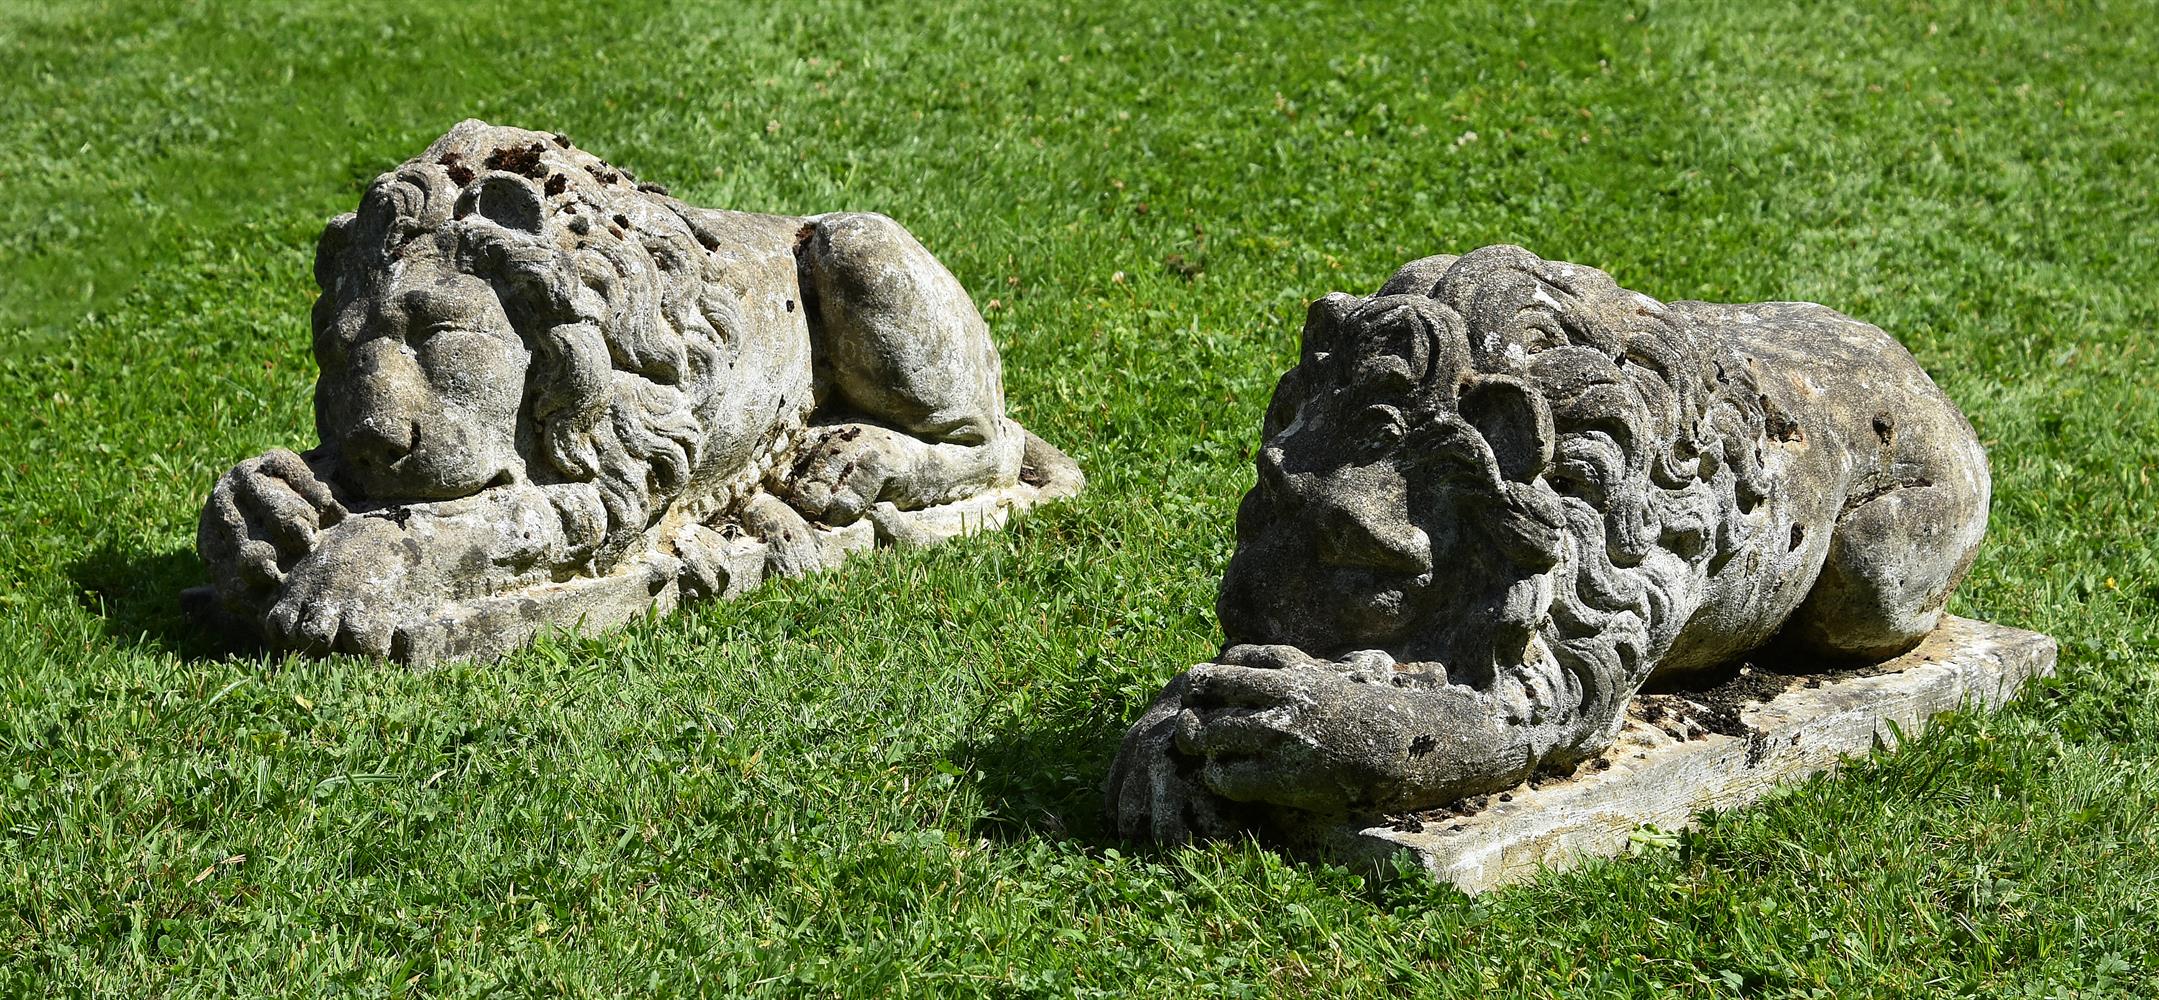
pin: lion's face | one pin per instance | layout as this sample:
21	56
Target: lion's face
1339	542
1387	514
421	382
507	308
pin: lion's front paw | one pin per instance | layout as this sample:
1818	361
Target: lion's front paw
1287	730
1361	734
262	518
1310	735
845	469
1154	789
353	591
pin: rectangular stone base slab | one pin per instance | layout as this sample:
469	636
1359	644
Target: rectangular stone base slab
1663	771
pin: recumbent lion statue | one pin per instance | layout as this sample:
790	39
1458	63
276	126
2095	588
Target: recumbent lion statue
1499	496
551	396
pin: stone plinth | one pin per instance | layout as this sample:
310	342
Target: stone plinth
1666	768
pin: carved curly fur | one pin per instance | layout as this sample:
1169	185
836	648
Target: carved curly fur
1654	465
611	289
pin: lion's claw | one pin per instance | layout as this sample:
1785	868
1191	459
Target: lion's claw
846	469
263	517
1154	790
328	628
351	593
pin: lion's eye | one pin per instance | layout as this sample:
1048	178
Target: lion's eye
402	231
450	348
1381	427
420	333
1383	372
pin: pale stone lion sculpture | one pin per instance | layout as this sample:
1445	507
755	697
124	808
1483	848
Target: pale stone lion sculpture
553	396
1501	494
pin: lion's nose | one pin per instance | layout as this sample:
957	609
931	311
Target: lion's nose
1354	538
381	440
381	425
1359	516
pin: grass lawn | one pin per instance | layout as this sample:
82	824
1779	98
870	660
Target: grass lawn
885	781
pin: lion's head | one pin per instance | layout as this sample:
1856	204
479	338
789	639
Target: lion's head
1496	462
507	308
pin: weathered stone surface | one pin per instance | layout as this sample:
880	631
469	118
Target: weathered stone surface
1498	497
1664	773
551	396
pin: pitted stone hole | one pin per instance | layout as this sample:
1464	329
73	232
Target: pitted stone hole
1779	425
1884	429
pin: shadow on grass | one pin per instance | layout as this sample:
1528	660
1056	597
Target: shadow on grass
1042	778
1041	775
136	594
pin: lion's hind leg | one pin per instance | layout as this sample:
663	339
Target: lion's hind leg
1895	554
913	412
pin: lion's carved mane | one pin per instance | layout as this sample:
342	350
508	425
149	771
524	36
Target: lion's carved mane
1628	389
611	285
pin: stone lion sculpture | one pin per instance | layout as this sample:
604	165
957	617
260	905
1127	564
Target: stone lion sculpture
1500	495
553	396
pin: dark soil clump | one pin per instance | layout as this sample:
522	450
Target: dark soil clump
1696	712
519	160
460	174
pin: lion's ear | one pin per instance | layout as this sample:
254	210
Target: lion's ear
1324	320
506	199
1515	422
330	249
